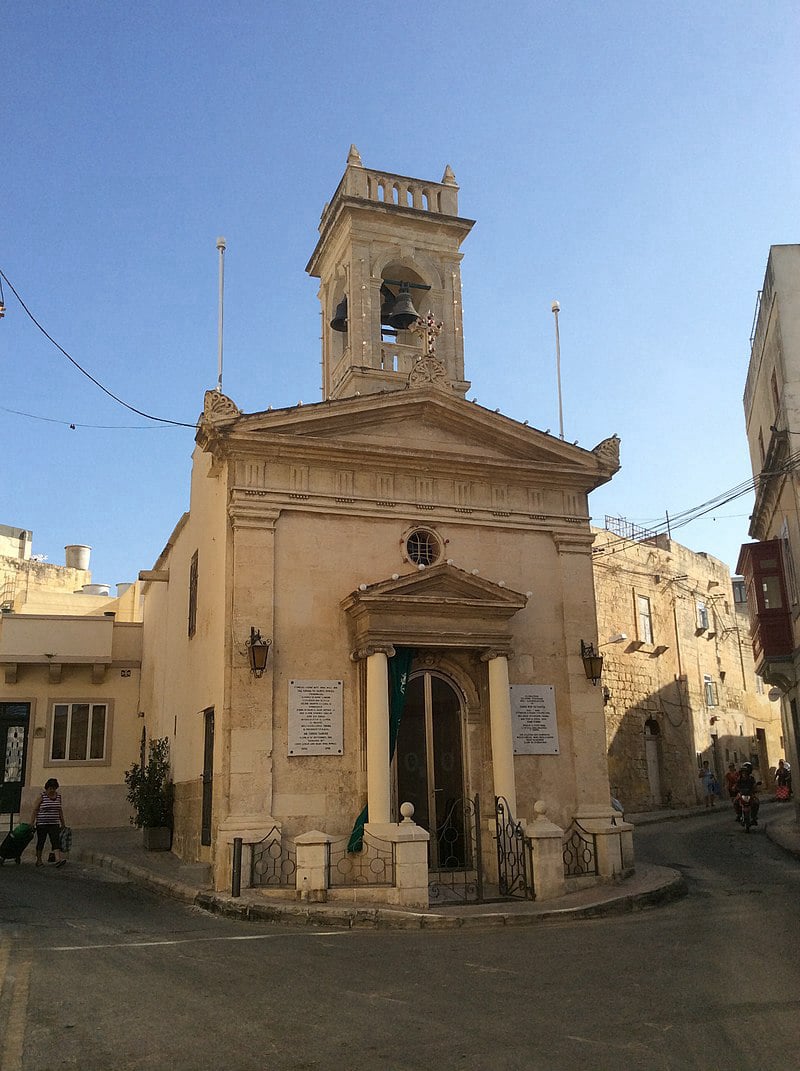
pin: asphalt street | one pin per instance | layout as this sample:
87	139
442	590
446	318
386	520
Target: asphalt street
98	974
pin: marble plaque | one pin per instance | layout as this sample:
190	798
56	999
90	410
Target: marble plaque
533	719
316	725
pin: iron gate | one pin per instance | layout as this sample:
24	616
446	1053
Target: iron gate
459	877
514	863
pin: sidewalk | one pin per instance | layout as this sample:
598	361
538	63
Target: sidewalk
120	851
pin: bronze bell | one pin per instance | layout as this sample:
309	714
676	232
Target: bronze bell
403	313
339	321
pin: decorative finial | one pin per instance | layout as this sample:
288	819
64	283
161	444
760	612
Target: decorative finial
448	178
354	157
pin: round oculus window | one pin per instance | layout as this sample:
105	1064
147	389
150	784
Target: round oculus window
423	547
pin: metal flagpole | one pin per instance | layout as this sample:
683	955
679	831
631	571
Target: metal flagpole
221	246
556	308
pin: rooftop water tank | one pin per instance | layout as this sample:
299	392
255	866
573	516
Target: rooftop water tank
77	556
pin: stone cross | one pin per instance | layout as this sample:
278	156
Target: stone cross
428	330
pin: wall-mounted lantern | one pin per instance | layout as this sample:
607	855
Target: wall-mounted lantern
257	652
592	662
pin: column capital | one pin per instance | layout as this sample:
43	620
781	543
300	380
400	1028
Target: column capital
360	653
249	511
496	652
578	542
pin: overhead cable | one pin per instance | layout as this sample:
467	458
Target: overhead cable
97	383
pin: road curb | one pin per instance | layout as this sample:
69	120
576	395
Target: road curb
668	888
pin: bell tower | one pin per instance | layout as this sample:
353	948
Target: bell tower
387	255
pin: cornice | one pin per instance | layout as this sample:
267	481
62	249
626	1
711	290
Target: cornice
769	484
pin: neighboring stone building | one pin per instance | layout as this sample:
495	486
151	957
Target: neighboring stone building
394	519
70	657
772	414
678	681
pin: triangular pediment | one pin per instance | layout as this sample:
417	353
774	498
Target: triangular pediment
443	582
420	421
440	606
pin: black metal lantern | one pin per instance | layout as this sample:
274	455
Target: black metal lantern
592	662
257	652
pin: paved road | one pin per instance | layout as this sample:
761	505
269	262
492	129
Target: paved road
98	975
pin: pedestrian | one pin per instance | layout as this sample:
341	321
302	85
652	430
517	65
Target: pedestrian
48	817
732	781
709	782
783	780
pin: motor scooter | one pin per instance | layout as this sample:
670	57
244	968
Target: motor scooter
745	811
746	806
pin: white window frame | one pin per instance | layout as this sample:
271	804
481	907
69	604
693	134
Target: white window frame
702	615
788	561
70	705
644	619
710	690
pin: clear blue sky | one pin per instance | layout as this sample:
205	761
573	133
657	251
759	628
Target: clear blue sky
633	160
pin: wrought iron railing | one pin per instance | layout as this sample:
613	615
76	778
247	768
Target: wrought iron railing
579	851
273	860
373	865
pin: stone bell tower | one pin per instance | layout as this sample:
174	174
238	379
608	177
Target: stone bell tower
387	255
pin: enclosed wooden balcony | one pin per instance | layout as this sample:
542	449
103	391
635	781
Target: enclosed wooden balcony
761	564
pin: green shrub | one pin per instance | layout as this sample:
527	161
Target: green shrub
150	787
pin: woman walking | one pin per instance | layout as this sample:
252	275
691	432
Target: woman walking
48	817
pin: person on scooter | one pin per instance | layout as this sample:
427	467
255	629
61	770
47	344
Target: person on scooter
748	786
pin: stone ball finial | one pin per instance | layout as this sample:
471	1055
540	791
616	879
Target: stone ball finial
540	810
407	811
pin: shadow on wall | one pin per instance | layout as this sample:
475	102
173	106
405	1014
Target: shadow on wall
652	762
651	757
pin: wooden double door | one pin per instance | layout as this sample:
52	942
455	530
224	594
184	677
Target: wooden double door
430	758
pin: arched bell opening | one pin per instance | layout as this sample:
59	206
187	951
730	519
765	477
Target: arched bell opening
403	301
339	323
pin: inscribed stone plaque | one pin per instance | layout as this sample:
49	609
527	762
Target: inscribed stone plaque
315	718
533	719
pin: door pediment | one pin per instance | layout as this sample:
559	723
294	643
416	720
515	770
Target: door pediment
441	606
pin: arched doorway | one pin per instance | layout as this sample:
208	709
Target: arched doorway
430	762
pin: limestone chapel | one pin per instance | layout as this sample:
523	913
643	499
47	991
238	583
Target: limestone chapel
418	569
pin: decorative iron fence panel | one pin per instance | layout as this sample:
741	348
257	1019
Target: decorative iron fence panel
373	865
580	851
273	860
514	863
459	875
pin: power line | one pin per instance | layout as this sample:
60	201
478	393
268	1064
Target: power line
694	513
97	383
74	424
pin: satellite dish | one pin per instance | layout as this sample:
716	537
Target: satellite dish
774	695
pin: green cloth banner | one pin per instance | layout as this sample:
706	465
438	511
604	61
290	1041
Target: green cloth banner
399	669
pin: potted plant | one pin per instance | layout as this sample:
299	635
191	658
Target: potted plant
150	794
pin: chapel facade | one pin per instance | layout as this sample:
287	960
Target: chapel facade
418	567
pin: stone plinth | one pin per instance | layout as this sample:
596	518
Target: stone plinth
546	845
311	875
